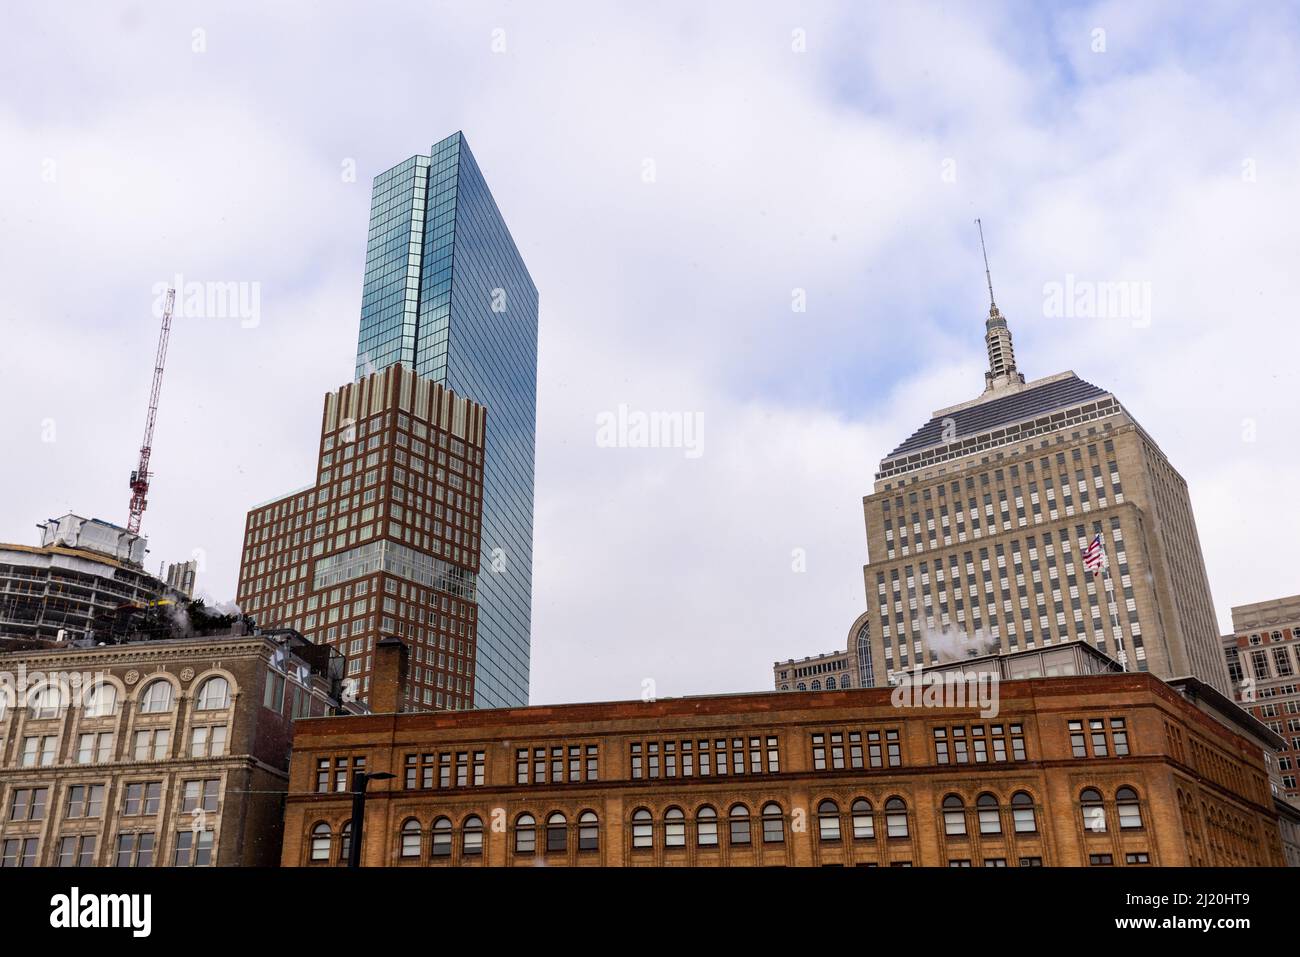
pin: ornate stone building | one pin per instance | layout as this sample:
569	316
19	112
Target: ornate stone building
153	753
1263	660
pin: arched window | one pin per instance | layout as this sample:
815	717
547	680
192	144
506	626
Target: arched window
674	828
525	834
828	821
773	824
817	685
830	684
801	686
441	837
846	681
895	818
156	698
1022	813
1128	809
557	832
345	844
643	828
864	822
45	702
214	695
588	831
411	838
706	827
472	836
320	842
739	824
986	809
954	816
1092	809
100	700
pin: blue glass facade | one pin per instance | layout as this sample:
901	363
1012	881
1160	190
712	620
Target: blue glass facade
447	294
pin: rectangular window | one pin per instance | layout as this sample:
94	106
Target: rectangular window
1097	730
1017	742
85	800
1119	736
19	852
28	804
1078	744
894	747
77	851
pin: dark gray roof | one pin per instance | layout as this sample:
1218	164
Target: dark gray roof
1027	403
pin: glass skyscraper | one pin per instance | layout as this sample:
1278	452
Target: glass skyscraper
447	294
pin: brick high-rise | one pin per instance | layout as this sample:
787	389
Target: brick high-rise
386	541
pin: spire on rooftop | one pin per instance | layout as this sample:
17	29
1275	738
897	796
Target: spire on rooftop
1001	375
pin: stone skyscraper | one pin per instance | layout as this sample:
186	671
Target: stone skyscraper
977	523
447	294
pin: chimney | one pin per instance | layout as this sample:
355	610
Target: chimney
388	686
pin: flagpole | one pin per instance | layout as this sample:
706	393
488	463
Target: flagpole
1114	615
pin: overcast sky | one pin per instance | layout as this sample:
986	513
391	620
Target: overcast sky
679	178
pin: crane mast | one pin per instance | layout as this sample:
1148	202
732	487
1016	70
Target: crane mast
140	477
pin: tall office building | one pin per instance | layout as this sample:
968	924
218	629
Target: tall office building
447	294
1263	659
977	524
385	541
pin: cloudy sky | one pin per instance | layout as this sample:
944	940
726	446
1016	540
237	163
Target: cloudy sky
681	178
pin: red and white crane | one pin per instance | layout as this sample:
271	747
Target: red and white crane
140	477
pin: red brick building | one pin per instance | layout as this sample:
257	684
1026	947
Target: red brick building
385	540
1087	770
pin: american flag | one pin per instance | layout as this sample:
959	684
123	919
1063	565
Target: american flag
1094	556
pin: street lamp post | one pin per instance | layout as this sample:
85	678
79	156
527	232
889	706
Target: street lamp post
360	779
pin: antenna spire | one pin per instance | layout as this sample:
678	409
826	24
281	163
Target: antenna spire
987	275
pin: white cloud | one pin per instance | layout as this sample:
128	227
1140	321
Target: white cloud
775	171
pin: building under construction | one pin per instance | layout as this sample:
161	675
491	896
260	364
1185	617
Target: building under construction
84	581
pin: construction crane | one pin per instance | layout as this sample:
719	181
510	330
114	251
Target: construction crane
140	477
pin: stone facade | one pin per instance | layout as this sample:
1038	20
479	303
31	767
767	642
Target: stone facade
172	752
1263	660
